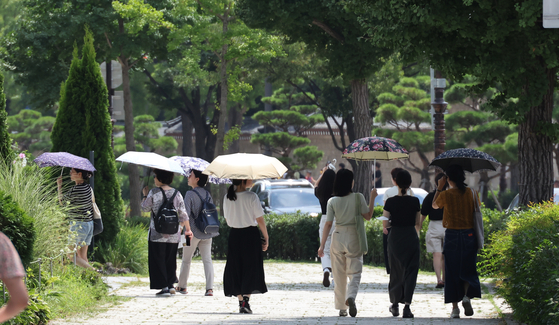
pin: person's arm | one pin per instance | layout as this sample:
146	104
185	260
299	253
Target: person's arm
440	188
320	177
369	214
325	233
385	223
18	298
262	225
418	223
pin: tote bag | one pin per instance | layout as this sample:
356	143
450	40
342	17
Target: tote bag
478	221
97	221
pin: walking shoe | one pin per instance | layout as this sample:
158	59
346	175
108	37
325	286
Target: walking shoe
326	279
163	293
455	313
407	312
209	292
182	290
343	313
394	310
172	290
440	285
467	304
352	308
244	307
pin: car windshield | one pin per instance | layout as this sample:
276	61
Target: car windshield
292	198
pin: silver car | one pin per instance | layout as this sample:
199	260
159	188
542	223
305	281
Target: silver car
287	196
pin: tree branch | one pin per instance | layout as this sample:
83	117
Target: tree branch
328	30
213	13
108	41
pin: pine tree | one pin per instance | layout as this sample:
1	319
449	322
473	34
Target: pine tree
83	124
6	151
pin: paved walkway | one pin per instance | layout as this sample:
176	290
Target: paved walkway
295	296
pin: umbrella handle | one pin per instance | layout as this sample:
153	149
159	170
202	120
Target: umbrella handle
62	171
375	174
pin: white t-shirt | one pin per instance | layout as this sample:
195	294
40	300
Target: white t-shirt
344	209
393	191
243	212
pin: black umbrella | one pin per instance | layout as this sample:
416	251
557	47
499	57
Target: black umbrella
469	159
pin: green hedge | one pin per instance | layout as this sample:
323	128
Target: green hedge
525	257
18	226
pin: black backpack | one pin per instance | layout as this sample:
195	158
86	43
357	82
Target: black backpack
207	220
166	220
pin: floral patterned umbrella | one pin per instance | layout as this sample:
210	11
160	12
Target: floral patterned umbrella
470	159
64	159
190	163
375	148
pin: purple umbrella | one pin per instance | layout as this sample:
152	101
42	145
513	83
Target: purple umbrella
63	159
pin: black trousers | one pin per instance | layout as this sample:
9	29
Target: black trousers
162	259
385	249
403	250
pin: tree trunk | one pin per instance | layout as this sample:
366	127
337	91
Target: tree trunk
224	91
236	118
186	135
514	177
535	150
484	179
502	181
360	98
133	172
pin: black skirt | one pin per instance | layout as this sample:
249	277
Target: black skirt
403	251
244	271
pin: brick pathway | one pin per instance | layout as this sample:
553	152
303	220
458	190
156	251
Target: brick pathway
295	296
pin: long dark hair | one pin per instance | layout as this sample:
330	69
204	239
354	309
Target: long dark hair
456	174
343	182
231	194
325	188
403	180
202	178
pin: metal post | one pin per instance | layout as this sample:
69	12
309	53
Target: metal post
92	184
51	274
40	262
439	105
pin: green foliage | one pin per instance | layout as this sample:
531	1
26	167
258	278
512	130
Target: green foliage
35	194
36	313
83	124
6	152
146	134
233	134
128	250
294	236
307	157
18	226
31	130
524	256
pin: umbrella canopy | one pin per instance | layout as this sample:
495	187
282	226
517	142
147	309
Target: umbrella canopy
245	166
469	159
64	159
190	163
152	160
375	148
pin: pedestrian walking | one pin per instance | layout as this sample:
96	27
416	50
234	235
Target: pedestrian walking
12	273
403	245
349	241
460	245
193	204
324	190
244	271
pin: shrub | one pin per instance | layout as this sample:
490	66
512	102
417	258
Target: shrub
292	236
524	256
128	250
34	191
18	226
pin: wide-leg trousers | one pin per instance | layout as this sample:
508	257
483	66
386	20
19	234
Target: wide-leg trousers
347	263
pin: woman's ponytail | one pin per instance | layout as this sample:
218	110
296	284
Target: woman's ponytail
231	194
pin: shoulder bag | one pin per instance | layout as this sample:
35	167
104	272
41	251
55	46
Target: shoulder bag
97	221
478	221
207	220
360	226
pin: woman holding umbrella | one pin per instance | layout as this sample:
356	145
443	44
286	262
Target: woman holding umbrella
244	271
460	245
162	248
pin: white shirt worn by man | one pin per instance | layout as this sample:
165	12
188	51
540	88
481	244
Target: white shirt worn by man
393	191
243	212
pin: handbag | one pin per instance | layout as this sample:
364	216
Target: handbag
478	222
360	227
97	221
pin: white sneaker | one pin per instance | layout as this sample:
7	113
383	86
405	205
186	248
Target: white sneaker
455	313
467	304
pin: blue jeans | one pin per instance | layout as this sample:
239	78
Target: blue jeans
460	254
81	231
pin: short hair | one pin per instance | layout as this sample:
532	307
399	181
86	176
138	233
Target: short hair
394	172
343	182
164	176
342	165
86	174
202	178
403	180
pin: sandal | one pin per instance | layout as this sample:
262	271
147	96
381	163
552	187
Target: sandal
440	285
181	290
209	292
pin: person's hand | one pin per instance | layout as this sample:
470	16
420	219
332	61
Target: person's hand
188	233
325	168
59	181
374	192
145	190
321	251
265	245
442	183
385	231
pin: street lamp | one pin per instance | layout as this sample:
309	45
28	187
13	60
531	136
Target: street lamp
438	84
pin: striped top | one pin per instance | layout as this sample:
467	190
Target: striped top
193	207
458	208
80	200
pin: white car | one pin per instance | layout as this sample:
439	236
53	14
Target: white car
513	206
418	192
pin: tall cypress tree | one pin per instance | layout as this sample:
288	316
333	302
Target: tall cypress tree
83	124
6	151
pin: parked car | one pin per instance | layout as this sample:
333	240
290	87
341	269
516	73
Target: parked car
287	196
513	206
418	192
